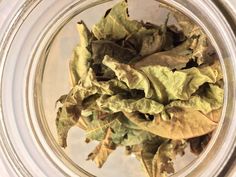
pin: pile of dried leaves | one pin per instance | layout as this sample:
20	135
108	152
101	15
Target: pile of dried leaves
145	87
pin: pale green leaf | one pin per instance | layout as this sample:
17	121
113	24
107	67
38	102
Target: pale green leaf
125	132
133	78
178	84
67	116
117	104
116	24
211	100
80	61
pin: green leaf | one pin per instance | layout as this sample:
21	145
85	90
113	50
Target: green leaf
178	84
125	132
184	124
117	104
115	24
133	78
211	100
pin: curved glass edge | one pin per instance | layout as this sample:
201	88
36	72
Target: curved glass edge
3	56
12	24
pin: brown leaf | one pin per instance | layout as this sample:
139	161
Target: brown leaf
198	144
215	115
184	124
103	150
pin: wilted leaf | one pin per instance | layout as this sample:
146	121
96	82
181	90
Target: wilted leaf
187	25
103	150
201	46
67	116
198	144
175	58
211	100
164	59
117	104
179	84
133	78
157	156
79	64
115	24
215	115
184	124
124	132
143	86
147	41
101	48
162	163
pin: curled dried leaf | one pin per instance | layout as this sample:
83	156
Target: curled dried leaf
133	78
184	124
103	150
116	23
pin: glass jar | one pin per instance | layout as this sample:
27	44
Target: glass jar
36	42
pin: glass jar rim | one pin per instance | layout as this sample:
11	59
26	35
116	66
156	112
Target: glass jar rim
23	12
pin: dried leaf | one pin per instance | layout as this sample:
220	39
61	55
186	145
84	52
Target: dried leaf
115	24
147	41
101	48
157	156
198	144
79	64
184	124
211	100
133	78
124	132
103	150
118	104
200	45
179	84
67	116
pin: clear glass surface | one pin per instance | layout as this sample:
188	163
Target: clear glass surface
35	54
